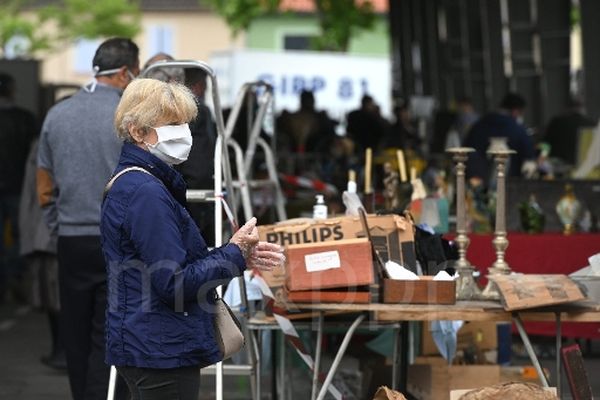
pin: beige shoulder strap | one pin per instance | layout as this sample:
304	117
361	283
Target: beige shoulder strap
114	178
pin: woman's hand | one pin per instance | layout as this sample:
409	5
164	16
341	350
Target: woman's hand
265	256
246	238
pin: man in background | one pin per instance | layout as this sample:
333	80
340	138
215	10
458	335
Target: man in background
562	133
78	153
17	129
198	171
505	122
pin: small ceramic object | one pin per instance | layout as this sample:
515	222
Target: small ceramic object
568	209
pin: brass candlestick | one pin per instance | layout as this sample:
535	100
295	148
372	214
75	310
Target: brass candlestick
500	242
466	287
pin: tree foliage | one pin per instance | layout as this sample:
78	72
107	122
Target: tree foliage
49	28
239	14
14	24
96	18
339	20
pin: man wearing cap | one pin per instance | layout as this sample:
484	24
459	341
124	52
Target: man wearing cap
78	152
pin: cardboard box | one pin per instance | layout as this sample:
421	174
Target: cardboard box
338	264
457	394
392	236
431	378
422	291
481	334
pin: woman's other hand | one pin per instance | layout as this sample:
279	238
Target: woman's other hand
265	256
246	238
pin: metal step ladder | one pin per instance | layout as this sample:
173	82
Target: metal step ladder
223	201
244	183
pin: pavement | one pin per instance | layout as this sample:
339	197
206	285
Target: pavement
24	338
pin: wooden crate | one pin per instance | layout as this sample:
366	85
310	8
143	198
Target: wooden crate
422	291
343	263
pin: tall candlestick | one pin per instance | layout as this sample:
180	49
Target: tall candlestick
500	242
401	165
368	162
466	287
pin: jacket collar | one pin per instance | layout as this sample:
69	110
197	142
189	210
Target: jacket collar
132	155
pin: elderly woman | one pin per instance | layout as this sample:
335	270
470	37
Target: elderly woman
159	327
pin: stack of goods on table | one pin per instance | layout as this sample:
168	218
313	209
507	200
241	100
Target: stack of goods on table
335	260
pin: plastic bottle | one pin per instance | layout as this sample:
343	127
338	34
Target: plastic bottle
320	208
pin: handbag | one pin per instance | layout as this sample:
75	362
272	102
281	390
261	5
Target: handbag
228	329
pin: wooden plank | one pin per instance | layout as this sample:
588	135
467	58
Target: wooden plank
329	296
521	292
463	310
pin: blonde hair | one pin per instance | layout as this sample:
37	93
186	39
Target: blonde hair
145	102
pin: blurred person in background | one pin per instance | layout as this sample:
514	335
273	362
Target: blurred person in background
198	170
17	130
506	122
77	154
165	74
38	247
562	133
365	125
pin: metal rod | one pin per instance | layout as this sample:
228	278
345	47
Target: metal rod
339	355
395	357
317	367
403	361
112	381
282	366
530	351
558	346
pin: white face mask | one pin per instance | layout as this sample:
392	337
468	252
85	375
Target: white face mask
173	145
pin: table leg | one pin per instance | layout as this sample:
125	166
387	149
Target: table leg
273	340
395	357
530	351
257	366
315	381
339	355
403	361
282	365
558	346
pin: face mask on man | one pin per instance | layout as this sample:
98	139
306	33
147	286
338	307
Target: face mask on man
173	145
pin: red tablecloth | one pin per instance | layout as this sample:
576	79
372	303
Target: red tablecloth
548	253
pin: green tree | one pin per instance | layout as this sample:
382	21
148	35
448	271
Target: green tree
239	14
13	24
339	20
48	28
95	18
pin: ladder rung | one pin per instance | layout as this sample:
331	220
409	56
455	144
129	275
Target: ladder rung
228	369
200	195
256	183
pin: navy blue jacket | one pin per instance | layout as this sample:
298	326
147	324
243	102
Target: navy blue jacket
161	275
492	125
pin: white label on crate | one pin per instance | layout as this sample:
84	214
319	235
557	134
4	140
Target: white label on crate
322	261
